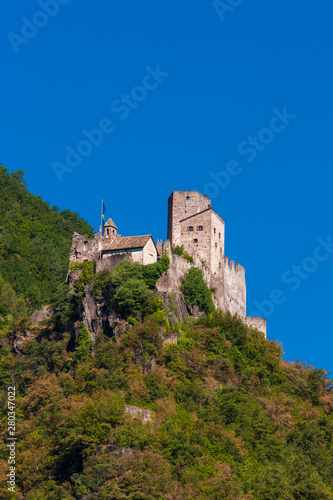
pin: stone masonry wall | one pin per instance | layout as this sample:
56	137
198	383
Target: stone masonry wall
84	249
256	323
202	249
230	286
111	261
234	288
179	208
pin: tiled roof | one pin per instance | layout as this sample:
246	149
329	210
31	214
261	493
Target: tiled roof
110	223
127	242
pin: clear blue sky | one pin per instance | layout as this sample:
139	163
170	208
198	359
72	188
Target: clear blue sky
202	86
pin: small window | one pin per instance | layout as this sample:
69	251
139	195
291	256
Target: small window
188	198
219	235
215	245
214	230
190	228
195	240
221	249
200	228
220	265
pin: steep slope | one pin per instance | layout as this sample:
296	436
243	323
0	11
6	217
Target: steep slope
123	395
34	245
227	417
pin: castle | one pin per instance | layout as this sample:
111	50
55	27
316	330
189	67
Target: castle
192	224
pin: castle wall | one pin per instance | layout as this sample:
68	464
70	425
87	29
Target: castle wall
84	249
109	262
257	323
234	288
180	207
171	280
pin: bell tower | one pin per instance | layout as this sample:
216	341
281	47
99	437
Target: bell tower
110	230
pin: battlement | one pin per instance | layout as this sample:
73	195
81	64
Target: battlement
231	265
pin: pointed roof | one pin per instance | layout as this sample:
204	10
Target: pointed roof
110	223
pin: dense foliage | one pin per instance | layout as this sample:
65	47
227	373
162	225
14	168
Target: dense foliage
196	291
230	419
34	245
87	269
129	288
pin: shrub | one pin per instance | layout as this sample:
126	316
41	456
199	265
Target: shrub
179	250
152	272
88	272
82	345
196	291
130	298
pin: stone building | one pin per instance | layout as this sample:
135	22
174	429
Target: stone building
113	247
193	224
141	248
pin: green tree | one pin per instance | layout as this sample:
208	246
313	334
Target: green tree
196	291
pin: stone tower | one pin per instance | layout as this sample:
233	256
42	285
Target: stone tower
110	230
195	225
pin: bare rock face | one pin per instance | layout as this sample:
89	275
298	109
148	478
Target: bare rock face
118	451
97	318
21	339
73	276
136	411
170	339
195	311
175	306
32	327
44	314
118	325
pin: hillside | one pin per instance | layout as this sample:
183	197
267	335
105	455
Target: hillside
225	416
34	246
